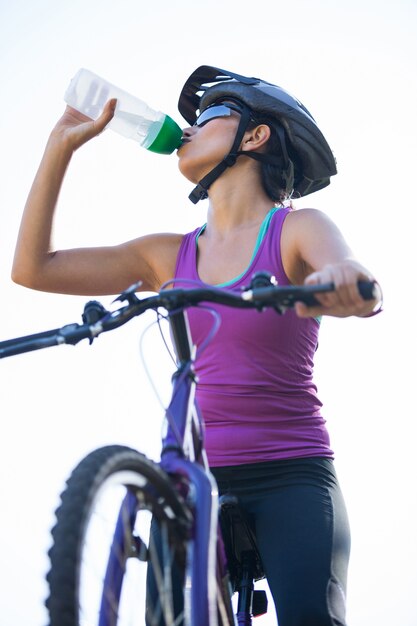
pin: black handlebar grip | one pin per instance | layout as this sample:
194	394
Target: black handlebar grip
367	289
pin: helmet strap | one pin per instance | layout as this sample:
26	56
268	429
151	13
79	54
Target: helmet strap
200	192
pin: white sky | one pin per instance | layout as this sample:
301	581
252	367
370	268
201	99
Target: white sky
352	63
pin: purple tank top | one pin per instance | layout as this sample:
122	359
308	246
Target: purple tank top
255	388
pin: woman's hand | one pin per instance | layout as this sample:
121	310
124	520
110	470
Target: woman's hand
74	128
346	299
315	252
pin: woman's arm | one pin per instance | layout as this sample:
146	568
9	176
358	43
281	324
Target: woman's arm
314	252
84	271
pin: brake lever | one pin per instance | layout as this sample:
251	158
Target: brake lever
129	294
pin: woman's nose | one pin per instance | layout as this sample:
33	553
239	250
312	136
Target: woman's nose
187	132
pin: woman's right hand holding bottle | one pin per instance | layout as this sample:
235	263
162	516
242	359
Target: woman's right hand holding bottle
75	128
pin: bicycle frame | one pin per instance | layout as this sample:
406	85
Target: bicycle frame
183	454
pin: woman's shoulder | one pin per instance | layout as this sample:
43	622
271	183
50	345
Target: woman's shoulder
305	214
299	224
306	221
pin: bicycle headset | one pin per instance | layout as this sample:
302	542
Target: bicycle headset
305	162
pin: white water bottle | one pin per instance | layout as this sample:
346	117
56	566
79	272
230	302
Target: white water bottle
155	131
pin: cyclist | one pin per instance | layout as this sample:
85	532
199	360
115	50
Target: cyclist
267	441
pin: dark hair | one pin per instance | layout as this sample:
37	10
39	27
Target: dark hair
271	173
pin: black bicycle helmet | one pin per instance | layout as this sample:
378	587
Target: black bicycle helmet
300	134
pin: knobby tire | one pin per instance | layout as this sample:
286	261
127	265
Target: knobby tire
94	584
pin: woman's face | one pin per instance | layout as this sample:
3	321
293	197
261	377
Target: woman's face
205	145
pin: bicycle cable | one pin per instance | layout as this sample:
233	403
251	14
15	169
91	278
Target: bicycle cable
149	375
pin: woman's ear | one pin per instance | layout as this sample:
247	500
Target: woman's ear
256	137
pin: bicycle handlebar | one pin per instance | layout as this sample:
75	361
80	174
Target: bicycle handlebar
261	294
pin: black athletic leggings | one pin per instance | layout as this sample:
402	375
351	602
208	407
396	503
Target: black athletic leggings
298	515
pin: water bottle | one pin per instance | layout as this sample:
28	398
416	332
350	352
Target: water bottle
155	131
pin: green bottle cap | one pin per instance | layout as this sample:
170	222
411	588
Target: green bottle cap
168	138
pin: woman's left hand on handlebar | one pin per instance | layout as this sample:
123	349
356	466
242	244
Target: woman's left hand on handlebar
345	300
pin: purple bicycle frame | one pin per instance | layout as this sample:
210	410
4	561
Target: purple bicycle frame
185	434
183	455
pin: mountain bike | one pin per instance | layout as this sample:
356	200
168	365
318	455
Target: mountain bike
138	542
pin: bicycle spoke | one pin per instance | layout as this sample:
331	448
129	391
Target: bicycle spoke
163	578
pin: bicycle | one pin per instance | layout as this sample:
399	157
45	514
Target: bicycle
164	515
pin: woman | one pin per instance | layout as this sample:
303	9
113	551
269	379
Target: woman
267	441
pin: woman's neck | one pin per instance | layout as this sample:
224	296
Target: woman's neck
234	204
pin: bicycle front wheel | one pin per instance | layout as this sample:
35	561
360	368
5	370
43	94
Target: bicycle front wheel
103	548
